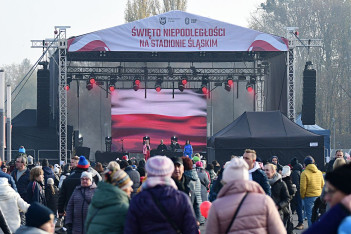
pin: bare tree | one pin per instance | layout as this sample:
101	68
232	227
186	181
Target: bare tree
140	9
329	20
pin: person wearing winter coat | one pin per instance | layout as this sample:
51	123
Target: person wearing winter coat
188	149
70	183
48	172
51	195
280	193
21	176
257	213
4	227
8	177
109	206
78	204
195	188
338	196
204	180
275	161
36	188
287	219
133	175
158	199
39	220
296	203
10	204
311	185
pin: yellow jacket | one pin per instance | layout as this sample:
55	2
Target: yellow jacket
311	182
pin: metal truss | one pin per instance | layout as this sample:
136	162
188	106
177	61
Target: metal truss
62	47
295	42
168	73
260	98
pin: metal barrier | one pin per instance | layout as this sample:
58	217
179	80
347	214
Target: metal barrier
52	155
14	153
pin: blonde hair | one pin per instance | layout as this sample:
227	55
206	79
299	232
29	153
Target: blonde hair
35	172
113	165
338	162
253	152
271	166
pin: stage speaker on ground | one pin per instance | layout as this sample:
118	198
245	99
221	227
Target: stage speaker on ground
43	98
308	115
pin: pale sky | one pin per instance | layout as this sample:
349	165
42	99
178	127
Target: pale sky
25	20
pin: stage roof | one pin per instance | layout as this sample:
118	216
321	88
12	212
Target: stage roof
177	31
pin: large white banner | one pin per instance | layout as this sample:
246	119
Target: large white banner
177	31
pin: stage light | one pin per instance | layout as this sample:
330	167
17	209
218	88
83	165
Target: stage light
204	89
89	85
184	80
113	80
158	84
69	80
92	81
229	83
136	84
204	84
181	86
111	88
108	143
249	87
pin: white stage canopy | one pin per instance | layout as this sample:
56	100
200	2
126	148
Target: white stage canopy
177	31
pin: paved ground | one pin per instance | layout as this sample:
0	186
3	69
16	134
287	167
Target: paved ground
203	228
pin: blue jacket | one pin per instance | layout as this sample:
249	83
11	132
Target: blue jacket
188	150
330	221
261	178
10	179
22	183
36	193
145	217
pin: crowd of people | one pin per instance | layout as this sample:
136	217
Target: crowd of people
165	195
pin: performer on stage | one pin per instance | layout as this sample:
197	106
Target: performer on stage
174	144
161	148
146	150
188	149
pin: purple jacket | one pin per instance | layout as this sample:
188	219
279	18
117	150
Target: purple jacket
145	217
77	207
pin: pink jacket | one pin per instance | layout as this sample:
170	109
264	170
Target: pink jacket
257	214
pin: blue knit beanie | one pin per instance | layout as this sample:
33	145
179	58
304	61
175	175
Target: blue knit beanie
83	163
22	150
308	160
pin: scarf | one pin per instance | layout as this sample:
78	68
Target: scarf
151	182
274	179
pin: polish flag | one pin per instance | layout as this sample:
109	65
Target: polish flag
158	116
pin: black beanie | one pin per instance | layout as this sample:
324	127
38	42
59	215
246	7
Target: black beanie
294	161
45	162
37	215
340	178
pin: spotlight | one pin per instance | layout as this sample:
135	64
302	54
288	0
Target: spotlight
89	85
158	84
204	84
249	87
136	84
112	85
229	83
92	79
184	80
108	143
181	86
69	80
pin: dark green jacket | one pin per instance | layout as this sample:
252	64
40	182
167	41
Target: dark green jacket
107	210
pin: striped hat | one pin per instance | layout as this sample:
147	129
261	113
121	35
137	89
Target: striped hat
83	163
121	179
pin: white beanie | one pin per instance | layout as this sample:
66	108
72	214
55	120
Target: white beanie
87	174
50	181
286	171
237	169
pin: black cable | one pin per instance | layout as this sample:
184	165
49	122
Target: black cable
31	70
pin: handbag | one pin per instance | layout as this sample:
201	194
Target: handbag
164	212
236	212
